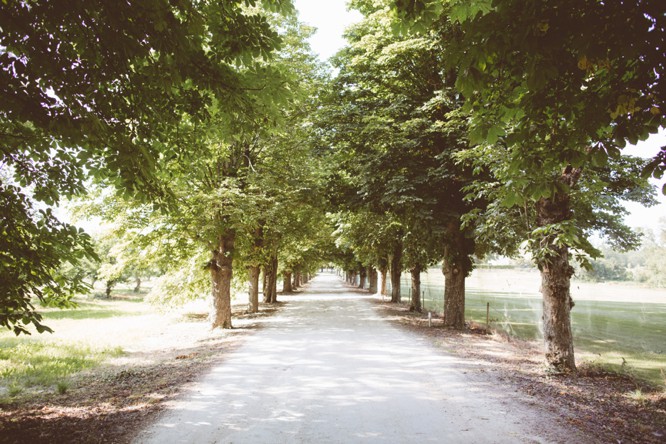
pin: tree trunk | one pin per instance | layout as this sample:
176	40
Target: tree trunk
109	287
556	275
268	283
295	284
270	295
372	280
456	266
137	286
557	305
454	295
253	289
382	281
396	272
362	278
264	283
415	304
286	283
221	270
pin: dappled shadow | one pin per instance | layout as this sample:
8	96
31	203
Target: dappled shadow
328	369
109	405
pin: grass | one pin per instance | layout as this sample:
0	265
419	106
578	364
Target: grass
27	363
37	363
624	336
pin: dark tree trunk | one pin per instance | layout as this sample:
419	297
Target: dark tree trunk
264	282
137	286
396	272
266	285
456	266
286	283
253	289
415	304
295	284
270	295
362	278
556	275
254	268
109	287
221	273
454	296
372	280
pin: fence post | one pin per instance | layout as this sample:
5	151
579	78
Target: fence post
488	315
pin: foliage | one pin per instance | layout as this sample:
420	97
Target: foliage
33	247
99	89
393	121
546	70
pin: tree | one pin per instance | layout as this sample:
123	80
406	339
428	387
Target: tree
98	89
556	100
242	187
399	126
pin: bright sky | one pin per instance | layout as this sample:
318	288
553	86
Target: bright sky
330	17
641	216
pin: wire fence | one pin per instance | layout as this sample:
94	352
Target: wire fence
598	326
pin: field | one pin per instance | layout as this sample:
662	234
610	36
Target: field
619	326
117	332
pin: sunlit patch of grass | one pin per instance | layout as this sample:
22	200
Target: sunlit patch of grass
26	363
82	313
647	367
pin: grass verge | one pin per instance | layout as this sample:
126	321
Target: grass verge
28	365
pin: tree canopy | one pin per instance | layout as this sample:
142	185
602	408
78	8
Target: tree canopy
220	145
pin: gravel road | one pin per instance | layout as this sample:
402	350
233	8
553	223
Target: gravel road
328	369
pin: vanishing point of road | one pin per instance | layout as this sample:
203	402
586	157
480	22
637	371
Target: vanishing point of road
328	369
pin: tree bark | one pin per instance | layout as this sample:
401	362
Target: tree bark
286	283
415	304
109	287
454	296
137	286
253	289
557	305
456	266
221	270
362	277
372	280
556	275
396	272
264	284
295	284
382	281
270	295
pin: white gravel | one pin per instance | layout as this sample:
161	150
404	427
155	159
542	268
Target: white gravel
328	369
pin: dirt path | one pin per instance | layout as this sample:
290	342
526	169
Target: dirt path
327	368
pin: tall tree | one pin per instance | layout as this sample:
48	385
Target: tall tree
399	126
97	89
557	100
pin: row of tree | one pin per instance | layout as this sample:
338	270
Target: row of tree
184	124
218	146
462	128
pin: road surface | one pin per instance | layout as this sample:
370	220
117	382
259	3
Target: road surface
328	369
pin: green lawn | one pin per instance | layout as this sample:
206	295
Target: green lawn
624	336
46	362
